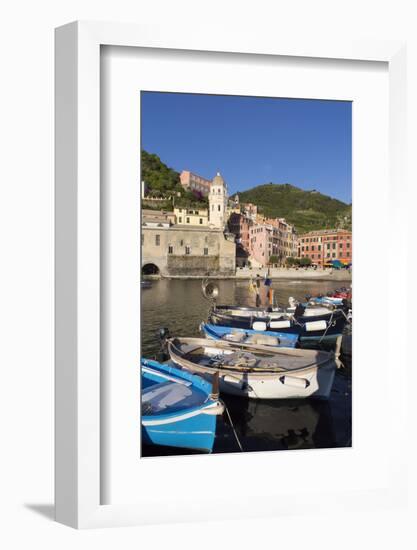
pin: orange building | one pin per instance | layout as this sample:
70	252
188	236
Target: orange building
326	245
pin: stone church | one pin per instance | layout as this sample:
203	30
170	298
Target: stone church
172	249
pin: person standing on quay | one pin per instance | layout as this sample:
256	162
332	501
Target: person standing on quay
258	291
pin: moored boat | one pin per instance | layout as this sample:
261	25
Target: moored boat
317	323
179	409
260	372
247	336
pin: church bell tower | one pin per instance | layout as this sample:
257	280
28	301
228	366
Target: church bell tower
218	202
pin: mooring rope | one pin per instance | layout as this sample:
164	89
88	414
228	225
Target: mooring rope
233	428
327	328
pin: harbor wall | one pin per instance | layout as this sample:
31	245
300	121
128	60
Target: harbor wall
342	276
188	252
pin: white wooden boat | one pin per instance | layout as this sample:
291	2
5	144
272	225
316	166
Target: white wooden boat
259	372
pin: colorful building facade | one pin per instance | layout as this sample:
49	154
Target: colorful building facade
325	246
264	239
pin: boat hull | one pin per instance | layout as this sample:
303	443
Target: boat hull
315	379
315	383
192	427
195	432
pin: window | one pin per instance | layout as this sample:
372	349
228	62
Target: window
180	220
328	254
306	248
170	249
334	255
206	252
218	207
182	242
157	240
188	220
328	248
334	246
347	254
319	247
201	221
187	250
312	248
347	245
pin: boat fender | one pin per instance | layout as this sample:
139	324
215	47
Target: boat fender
280	324
294	382
259	325
315	325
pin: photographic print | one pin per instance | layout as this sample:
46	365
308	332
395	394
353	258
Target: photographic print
246	273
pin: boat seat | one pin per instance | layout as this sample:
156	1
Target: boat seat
163	396
240	359
235	337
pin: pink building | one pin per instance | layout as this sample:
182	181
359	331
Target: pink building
260	236
193	182
272	238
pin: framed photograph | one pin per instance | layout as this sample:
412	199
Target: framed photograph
217	215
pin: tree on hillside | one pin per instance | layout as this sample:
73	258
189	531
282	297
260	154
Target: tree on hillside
157	176
160	180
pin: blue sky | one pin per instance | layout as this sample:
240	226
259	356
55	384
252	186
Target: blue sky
253	140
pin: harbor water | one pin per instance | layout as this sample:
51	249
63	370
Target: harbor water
251	425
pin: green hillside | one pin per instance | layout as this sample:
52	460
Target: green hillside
162	181
157	176
307	210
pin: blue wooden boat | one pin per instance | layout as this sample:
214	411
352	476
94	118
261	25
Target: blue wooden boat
179	408
247	336
325	300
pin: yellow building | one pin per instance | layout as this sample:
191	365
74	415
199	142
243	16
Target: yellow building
191	216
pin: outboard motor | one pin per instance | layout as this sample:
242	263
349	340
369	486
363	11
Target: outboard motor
163	335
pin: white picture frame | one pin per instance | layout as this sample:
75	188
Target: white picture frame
78	264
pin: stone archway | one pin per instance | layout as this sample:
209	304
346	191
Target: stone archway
151	270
